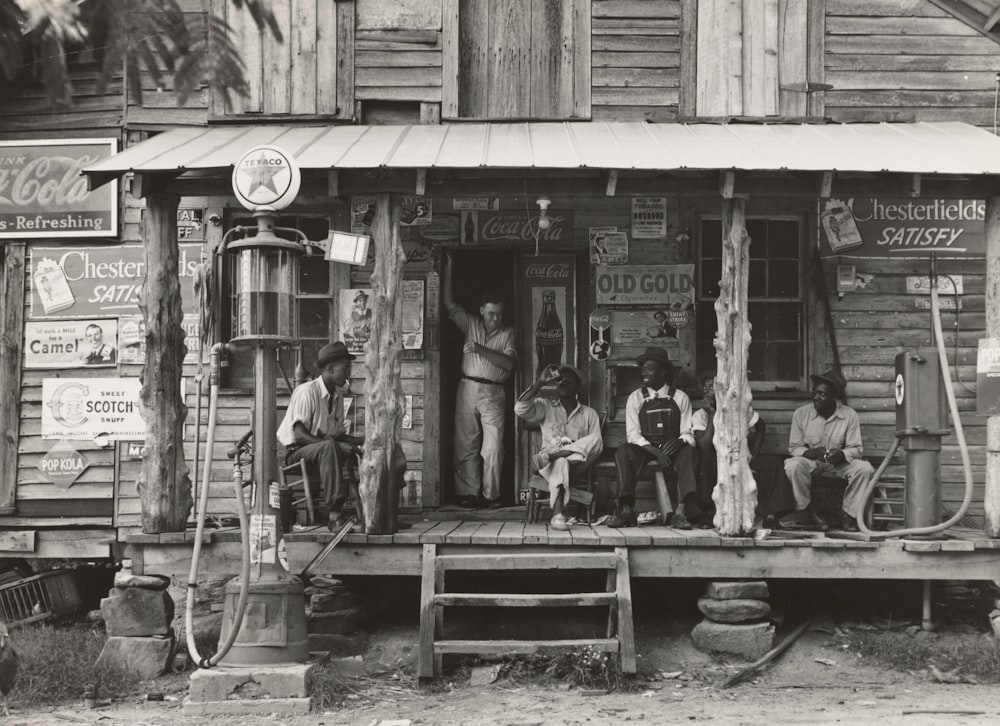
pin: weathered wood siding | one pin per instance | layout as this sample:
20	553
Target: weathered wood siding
26	112
907	60
635	57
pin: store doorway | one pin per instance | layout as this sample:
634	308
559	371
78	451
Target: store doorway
475	272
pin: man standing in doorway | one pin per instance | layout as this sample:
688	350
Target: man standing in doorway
488	357
826	438
313	428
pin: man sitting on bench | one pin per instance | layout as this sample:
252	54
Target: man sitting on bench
571	432
657	427
826	439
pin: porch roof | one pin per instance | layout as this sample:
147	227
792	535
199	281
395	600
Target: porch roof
946	148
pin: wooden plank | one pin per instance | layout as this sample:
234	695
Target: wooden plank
661	536
418	77
720	53
398	59
638	43
559	538
688	97
508	96
573	599
11	341
635	97
426	94
536	533
451	41
345	59
425	663
609	536
623	589
954	545
636	536
760	57
636	77
934	45
462	534
74	544
581	62
636	9
18	541
327	50
582	534
512	533
841	25
529	561
413	534
277	61
487	534
793	51
636	60
303	51
438	534
510	647
816	71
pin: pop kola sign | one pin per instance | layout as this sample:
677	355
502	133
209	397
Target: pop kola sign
63	465
903	227
44	194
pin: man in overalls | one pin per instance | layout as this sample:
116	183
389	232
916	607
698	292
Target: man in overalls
657	427
313	428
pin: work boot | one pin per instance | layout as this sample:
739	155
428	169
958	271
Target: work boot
625	517
817	520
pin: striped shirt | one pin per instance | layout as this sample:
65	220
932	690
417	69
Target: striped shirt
555	423
316	408
841	431
502	341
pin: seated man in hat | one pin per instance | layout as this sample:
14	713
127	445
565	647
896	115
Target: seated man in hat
571	431
313	428
657	427
826	438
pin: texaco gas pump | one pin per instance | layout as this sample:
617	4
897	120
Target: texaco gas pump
263	274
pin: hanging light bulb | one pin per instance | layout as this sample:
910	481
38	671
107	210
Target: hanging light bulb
543	215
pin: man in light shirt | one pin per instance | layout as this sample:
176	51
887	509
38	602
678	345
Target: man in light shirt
658	428
313	428
571	432
826	438
488	357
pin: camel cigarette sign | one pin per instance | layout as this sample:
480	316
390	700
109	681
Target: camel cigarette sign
88	408
44	194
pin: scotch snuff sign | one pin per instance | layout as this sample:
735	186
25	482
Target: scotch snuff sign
266	178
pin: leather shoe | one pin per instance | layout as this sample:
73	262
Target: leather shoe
624	518
848	523
818	521
494	503
467	502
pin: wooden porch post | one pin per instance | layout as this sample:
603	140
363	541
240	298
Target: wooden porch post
11	345
164	485
735	494
991	498
384	463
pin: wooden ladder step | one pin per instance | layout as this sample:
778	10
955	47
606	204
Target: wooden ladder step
888	517
527	600
546	561
510	647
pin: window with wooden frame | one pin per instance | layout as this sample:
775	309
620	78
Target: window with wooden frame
516	59
776	298
314	303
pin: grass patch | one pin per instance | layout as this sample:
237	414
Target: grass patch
332	690
972	655
580	667
55	664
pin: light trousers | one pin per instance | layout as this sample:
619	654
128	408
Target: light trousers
557	471
858	473
479	420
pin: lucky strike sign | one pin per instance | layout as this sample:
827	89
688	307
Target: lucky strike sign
44	194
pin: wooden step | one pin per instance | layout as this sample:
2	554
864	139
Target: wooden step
510	647
527	600
546	561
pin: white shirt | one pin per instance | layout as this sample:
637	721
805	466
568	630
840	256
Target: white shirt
699	419
502	341
633	432
311	405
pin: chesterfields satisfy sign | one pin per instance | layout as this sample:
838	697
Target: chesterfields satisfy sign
43	193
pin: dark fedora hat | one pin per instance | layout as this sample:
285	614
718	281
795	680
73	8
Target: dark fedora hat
564	369
833	378
333	352
659	355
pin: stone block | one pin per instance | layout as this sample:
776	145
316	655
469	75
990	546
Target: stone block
733	611
331	602
750	589
135	612
750	641
125	579
242	683
341	622
146	658
258	707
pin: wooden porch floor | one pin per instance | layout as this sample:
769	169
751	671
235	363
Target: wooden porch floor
654	551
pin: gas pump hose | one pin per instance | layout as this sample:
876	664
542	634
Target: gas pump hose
213	404
959	434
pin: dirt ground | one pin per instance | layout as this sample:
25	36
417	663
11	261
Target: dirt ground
817	681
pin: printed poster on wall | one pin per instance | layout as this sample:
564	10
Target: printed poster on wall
413	314
988	377
43	193
414	211
355	318
903	227
132	339
643	328
652	287
87	408
547	322
93	282
608	246
65	344
649	217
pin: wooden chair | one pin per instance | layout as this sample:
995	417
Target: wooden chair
580	472
292	478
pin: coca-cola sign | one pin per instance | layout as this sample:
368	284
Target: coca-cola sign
44	194
514	227
554	271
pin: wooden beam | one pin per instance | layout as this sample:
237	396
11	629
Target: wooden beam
992	20
825	184
610	182
11	345
430	113
18	541
421	186
727	184
991	497
333	183
912	184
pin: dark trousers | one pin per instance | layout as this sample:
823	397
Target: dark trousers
629	459
324	458
774	493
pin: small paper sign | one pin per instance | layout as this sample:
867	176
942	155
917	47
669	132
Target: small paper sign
348	248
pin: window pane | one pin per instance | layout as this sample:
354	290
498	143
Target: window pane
706	321
758	317
314	318
783	238
310	352
711	238
758	279
783	278
314	228
755	363
784	321
783	361
711	272
314	276
757	229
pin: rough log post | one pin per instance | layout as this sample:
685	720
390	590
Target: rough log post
383	464
11	342
991	499
735	494
164	485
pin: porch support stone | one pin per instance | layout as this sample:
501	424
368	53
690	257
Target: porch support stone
735	493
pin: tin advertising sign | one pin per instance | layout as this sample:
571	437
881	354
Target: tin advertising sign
43	193
62	344
660	287
91	282
63	465
87	408
903	227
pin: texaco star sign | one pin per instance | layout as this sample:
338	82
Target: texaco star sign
266	177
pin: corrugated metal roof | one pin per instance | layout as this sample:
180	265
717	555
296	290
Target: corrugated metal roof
929	148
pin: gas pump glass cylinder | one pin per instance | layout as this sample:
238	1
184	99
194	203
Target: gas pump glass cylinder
263	293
